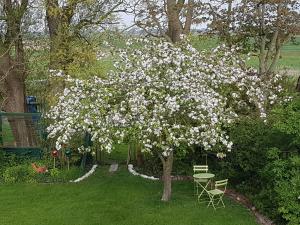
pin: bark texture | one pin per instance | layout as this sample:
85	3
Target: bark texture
167	179
59	22
13	68
270	44
175	26
179	15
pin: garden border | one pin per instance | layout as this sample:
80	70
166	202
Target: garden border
133	172
89	173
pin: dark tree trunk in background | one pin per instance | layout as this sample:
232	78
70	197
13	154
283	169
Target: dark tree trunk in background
139	156
175	26
59	25
298	85
167	179
53	21
189	17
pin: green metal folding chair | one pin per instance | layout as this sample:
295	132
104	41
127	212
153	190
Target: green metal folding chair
217	194
199	169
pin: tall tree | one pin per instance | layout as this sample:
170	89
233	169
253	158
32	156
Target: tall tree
68	19
263	26
13	64
168	18
165	96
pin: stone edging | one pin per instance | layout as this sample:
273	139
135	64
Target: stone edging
239	198
89	173
133	172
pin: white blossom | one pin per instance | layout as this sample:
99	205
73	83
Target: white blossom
166	95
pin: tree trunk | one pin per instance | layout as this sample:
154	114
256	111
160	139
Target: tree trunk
128	154
189	17
139	155
175	28
16	103
298	85
13	88
13	68
167	170
53	22
262	50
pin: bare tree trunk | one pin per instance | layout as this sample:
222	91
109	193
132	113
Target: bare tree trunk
59	24
13	68
13	88
189	17
175	28
128	154
167	179
229	22
262	53
52	16
298	85
139	155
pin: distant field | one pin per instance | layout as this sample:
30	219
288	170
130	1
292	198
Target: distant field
291	55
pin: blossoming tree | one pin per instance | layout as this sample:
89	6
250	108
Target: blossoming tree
164	95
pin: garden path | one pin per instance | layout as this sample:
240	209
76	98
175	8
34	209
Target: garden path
113	167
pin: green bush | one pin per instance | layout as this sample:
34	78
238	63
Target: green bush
15	169
287	188
19	173
265	163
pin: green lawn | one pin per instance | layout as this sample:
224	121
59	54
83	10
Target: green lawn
7	133
111	199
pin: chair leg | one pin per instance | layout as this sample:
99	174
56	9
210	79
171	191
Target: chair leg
221	200
199	195
202	197
211	202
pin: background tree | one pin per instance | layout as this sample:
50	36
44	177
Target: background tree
69	20
168	18
262	26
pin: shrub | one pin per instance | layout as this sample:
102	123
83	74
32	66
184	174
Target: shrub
19	173
265	163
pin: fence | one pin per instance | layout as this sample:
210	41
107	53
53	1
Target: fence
21	133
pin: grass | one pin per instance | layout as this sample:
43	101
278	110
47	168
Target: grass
7	134
114	199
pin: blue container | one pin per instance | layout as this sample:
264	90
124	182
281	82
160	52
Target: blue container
31	104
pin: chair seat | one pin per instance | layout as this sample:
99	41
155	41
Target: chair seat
216	192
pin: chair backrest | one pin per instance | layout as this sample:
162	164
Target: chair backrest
200	169
221	184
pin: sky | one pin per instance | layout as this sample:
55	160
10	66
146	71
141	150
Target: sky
127	19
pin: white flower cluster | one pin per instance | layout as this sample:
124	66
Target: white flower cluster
100	55
83	149
166	95
56	73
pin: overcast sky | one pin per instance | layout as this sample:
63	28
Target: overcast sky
127	19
